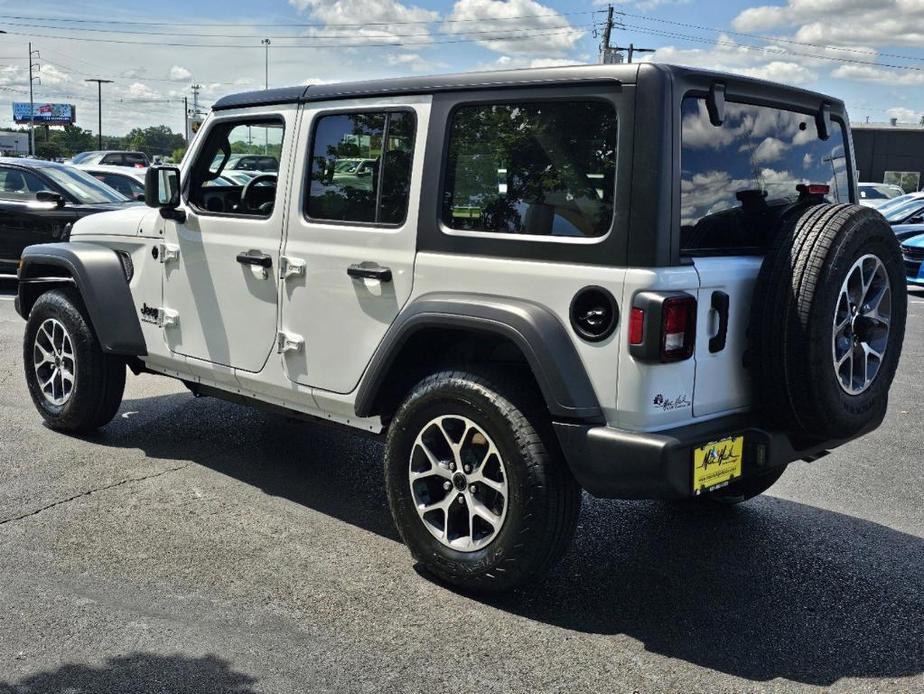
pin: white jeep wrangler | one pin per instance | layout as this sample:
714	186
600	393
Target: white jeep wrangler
642	280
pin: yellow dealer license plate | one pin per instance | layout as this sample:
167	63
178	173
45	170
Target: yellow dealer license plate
717	463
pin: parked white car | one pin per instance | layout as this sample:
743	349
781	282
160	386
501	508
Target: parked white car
875	194
127	180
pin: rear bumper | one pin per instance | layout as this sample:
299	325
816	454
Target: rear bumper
613	463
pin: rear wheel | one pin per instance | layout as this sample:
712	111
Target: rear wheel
75	386
476	484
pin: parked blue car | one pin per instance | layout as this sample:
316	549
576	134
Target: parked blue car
913	255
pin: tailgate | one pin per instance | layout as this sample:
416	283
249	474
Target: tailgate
725	288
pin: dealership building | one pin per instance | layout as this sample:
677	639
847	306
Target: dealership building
13	143
890	153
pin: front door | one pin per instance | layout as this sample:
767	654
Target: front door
351	238
222	262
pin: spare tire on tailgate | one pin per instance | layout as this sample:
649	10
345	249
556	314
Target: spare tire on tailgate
828	321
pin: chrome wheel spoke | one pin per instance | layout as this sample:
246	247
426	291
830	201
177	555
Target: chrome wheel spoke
861	324
54	362
453	474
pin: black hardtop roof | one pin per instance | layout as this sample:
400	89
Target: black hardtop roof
622	74
430	84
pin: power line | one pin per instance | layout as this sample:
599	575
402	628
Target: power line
496	36
747	46
384	34
480	20
776	39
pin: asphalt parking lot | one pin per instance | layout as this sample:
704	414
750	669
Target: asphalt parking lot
198	546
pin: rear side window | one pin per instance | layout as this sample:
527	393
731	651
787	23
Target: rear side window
361	167
135	159
536	168
736	178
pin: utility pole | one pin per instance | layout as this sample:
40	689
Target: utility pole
632	49
32	56
605	51
186	119
195	90
99	102
266	44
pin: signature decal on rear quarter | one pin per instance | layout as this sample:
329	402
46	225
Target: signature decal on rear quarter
668	404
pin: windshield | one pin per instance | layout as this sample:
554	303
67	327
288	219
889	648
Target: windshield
905	208
733	176
86	189
872	192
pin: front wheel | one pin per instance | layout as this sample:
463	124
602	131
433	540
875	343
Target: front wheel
75	386
476	485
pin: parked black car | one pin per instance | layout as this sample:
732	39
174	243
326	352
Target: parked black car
39	199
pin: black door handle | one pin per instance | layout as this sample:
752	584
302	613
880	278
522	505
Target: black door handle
255	258
720	304
370	272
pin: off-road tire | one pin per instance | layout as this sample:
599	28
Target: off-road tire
792	327
544	499
99	378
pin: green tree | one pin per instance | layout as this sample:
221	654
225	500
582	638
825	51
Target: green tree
48	150
178	154
73	139
155	141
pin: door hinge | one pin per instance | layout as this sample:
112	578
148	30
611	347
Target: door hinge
167	318
289	342
168	252
291	267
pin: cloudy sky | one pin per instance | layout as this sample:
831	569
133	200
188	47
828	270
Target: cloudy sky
868	52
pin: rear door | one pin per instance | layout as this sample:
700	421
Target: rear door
736	181
351	240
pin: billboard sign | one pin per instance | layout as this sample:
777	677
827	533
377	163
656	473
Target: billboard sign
45	114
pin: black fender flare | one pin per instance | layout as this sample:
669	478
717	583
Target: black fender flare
533	328
100	278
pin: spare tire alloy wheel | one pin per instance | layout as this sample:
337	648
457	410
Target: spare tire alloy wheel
458	483
861	324
54	362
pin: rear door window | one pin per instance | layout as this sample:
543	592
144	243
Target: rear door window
361	167
737	177
533	168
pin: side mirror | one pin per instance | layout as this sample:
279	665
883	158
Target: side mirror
50	196
162	190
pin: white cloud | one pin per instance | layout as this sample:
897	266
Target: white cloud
728	55
905	115
180	74
137	90
51	76
768	151
841	22
867	73
373	21
541	29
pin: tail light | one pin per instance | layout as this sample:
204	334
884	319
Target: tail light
636	326
662	327
678	327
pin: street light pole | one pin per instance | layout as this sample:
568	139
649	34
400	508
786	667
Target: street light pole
99	97
266	44
32	55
